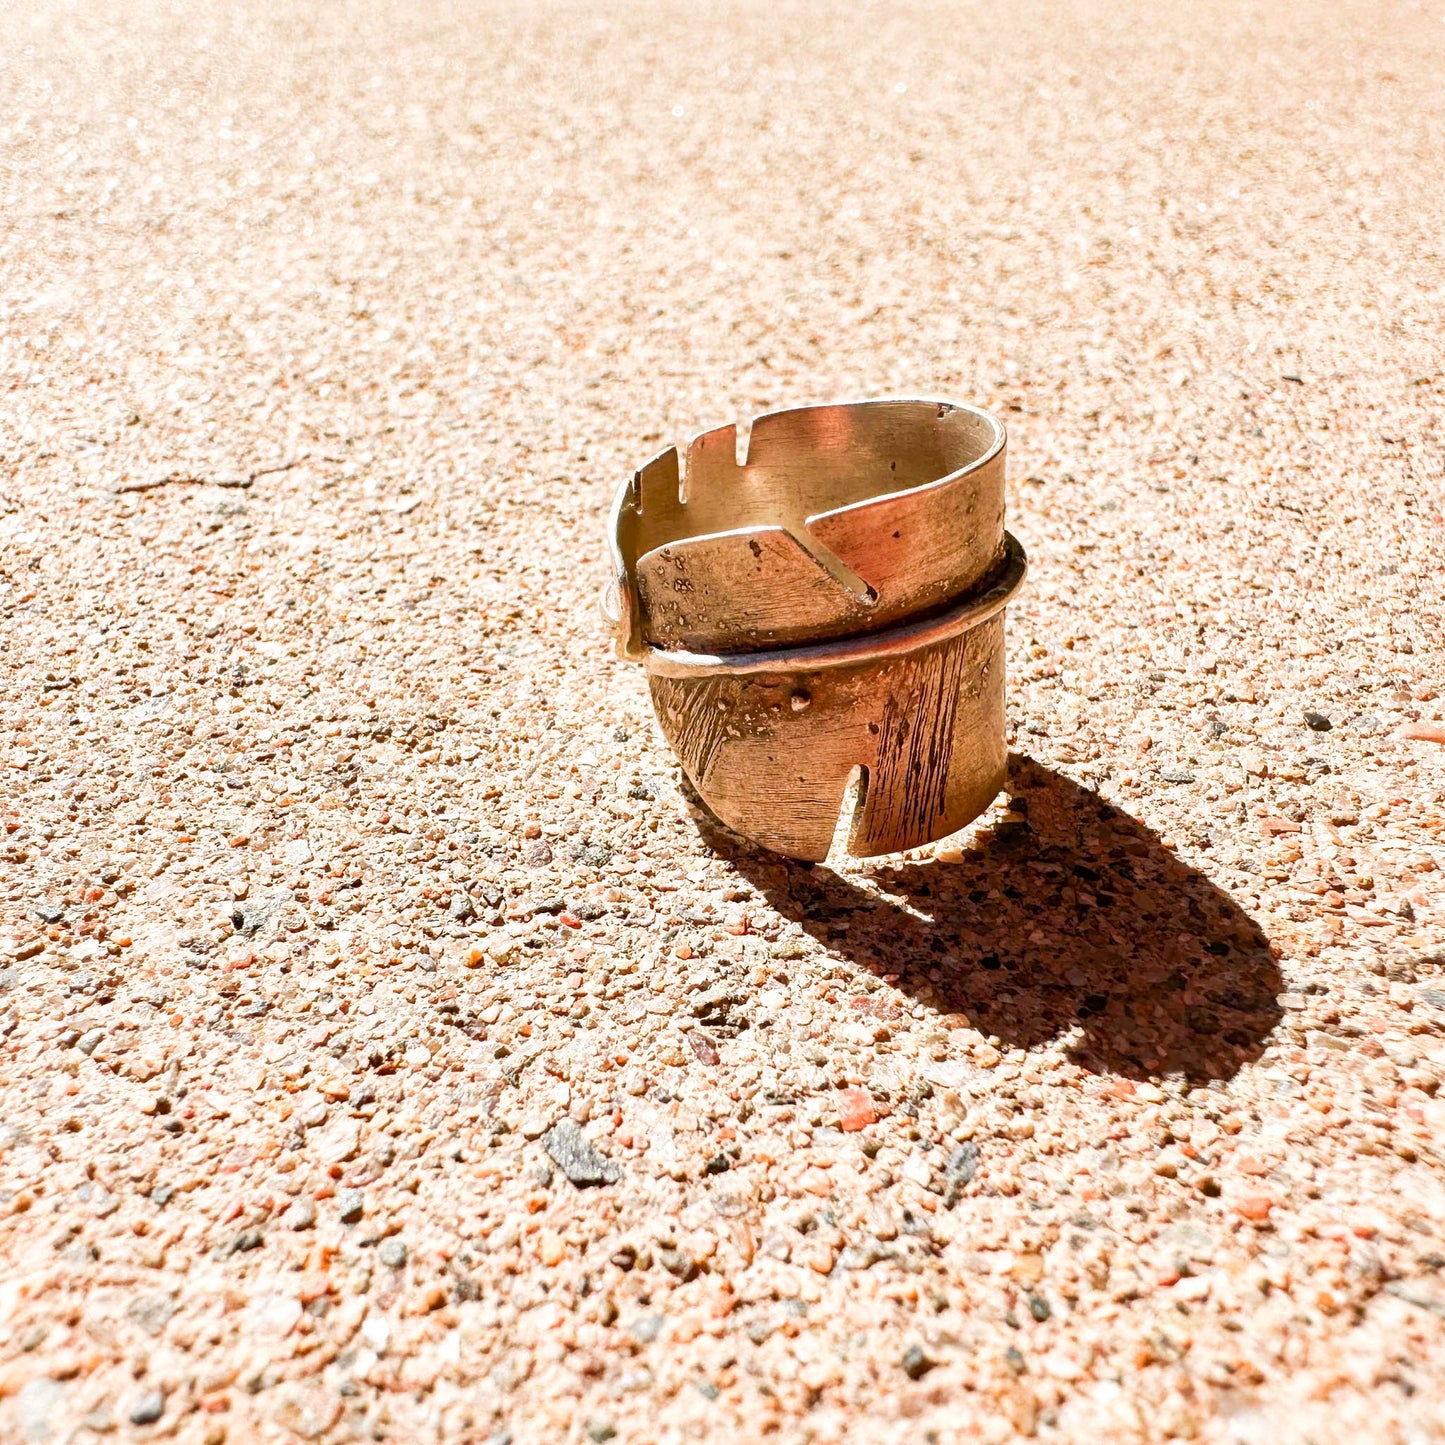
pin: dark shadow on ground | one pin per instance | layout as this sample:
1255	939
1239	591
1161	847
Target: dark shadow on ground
1078	918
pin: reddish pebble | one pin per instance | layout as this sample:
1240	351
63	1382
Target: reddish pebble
855	1110
569	920
1254	1207
1275	826
1424	732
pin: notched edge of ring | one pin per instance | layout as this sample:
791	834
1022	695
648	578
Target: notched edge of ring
622	609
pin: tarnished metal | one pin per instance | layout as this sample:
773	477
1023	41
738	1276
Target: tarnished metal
831	602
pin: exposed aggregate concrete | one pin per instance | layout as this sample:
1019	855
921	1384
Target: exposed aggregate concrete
390	1052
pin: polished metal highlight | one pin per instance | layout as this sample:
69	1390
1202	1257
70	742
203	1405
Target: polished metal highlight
823	600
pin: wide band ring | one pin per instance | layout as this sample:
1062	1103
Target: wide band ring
825	606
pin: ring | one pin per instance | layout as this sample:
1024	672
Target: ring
819	603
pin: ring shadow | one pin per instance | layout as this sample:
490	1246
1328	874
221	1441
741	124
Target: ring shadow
1076	918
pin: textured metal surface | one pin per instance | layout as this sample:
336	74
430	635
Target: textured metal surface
830	603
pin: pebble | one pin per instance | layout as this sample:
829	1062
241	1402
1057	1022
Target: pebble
959	1171
273	1315
148	1409
576	1156
1254	1207
916	1364
702	1046
340	1141
392	1253
498	948
152	1312
300	1215
856	1110
39	1406
244	1241
679	1265
101	1419
1425	732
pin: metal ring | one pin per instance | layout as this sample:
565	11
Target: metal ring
850	651
821	607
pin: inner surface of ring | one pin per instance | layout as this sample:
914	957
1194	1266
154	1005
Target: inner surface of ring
842	519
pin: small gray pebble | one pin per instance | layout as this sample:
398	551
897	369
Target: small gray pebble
392	1253
962	1163
350	1204
678	1264
148	1409
151	1312
574	1154
915	1363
